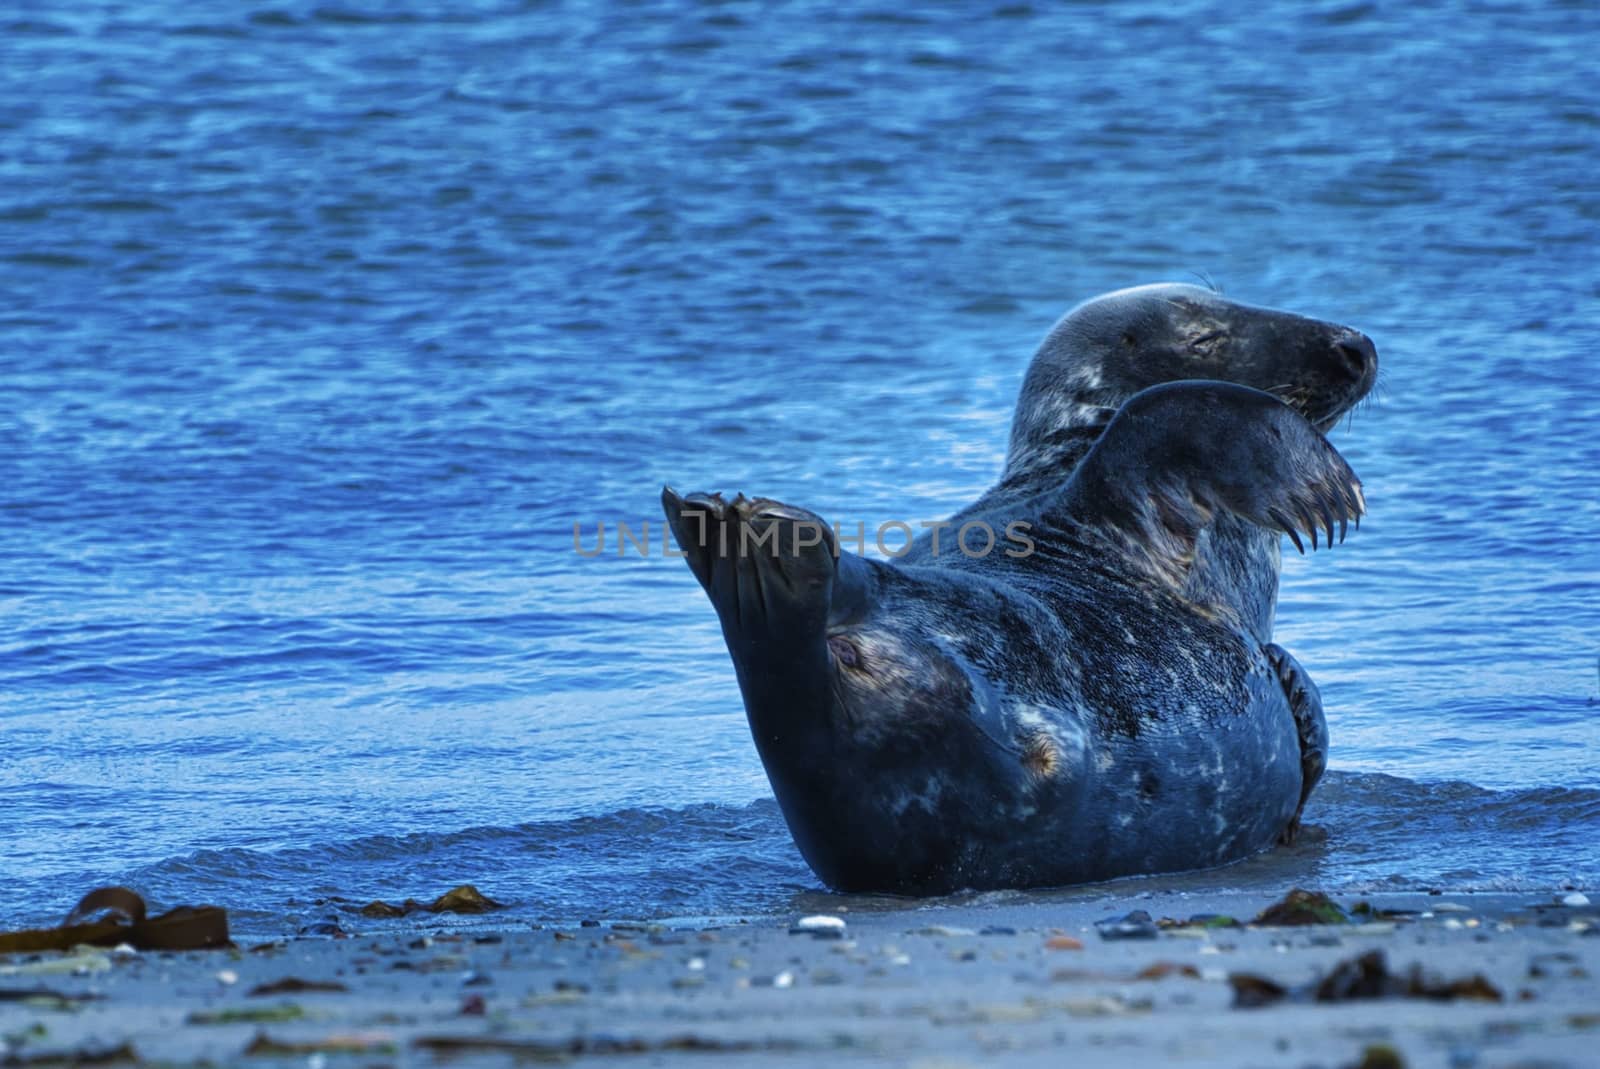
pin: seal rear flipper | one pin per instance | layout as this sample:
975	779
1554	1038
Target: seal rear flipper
1178	453
1311	726
773	571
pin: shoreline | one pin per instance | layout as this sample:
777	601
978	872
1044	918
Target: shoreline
929	986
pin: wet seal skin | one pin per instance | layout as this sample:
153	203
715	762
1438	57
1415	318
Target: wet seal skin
1109	703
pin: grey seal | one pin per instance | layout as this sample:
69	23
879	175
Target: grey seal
1106	703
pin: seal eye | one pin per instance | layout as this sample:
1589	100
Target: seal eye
1205	344
1128	340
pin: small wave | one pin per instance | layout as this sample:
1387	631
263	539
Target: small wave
1388	830
1369	832
634	863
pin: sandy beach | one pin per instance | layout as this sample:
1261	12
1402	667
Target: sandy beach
1501	980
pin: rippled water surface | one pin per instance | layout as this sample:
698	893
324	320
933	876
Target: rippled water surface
323	324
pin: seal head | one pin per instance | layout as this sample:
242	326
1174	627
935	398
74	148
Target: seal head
1107	349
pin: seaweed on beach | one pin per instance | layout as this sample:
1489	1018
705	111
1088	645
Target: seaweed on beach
121	1054
1299	908
293	985
44	998
265	1046
463	899
1362	978
531	1048
278	1014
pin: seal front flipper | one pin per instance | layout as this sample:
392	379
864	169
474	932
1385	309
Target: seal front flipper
1177	454
1305	702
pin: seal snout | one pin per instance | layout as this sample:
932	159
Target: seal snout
1356	354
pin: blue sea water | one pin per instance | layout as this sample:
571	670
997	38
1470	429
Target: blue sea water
324	322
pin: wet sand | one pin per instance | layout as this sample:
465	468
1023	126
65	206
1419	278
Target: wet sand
933	987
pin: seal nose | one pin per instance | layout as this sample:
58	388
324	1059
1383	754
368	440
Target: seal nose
1356	353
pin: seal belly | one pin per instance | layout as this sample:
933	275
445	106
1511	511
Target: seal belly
1200	794
1207	772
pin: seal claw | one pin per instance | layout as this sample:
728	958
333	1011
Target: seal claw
1327	515
1309	525
1287	528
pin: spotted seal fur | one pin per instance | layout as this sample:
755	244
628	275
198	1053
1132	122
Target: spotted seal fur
1109	703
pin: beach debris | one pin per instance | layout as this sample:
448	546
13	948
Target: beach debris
1558	963
286	1011
1367	911
86	1055
1366	976
1379	1056
945	931
463	899
43	998
594	1046
1576	900
80	961
1063	942
293	985
1560	914
782	979
1251	990
1299	908
474	1006
380	909
264	1046
116	916
1104	1006
819	926
997	929
227	977
1160	970
1135	925
1199	926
